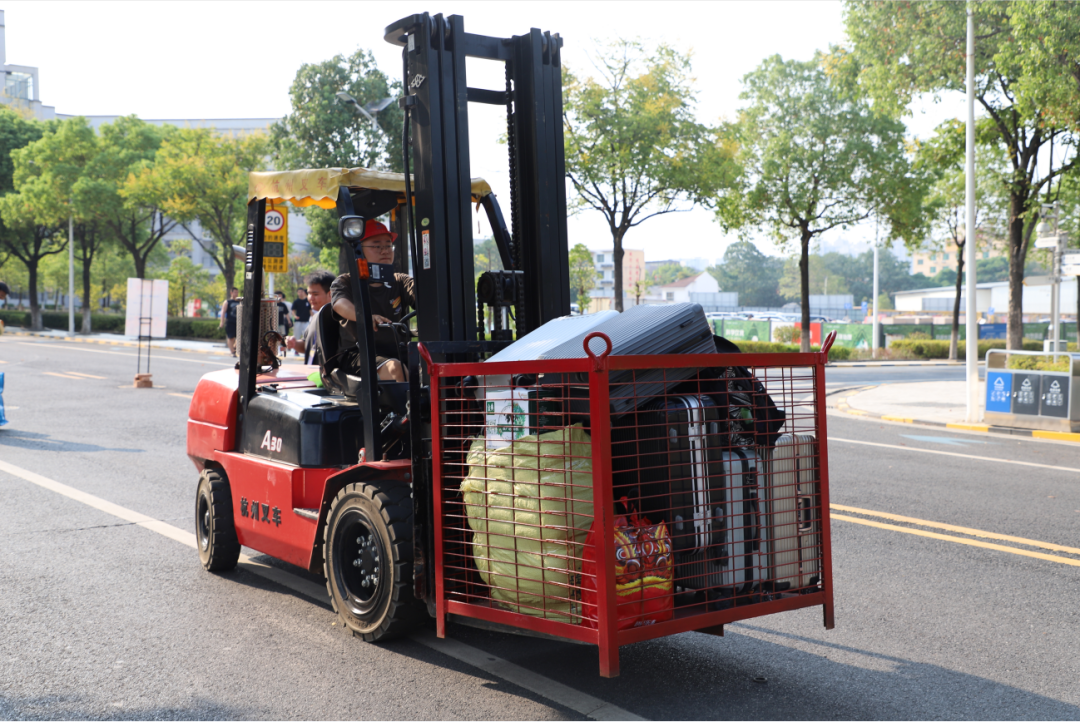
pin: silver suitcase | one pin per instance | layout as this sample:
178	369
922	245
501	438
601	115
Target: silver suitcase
790	513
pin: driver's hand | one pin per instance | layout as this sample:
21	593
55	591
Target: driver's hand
290	343
377	319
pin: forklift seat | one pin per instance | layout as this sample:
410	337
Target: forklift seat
330	354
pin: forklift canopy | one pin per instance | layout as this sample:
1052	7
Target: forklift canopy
319	186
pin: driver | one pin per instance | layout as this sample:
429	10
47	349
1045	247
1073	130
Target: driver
387	306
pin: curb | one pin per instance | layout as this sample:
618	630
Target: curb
843	407
106	342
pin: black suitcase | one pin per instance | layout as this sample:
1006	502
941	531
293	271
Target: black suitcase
671	460
677	328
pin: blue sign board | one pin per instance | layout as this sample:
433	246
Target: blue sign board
994	330
999	391
865	306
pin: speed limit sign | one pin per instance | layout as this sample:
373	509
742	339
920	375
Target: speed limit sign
276	240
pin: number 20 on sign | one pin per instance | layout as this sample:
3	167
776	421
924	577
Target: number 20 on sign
276	240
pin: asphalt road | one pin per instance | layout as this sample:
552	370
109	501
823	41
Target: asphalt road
104	618
870	375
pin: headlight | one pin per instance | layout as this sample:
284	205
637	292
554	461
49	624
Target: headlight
351	228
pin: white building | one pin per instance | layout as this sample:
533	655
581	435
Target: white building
22	84
989	298
679	291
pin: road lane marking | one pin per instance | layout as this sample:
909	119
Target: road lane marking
561	694
183	396
946	440
126	355
1075	470
63	376
89	376
957	529
958	540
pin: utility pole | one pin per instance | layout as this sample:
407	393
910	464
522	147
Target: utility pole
875	328
972	344
71	275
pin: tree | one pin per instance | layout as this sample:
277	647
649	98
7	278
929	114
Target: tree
815	158
634	149
582	274
186	280
29	235
200	176
60	160
821	281
126	147
904	49
321	132
670	273
750	273
943	155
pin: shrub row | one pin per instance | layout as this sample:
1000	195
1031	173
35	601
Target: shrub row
837	353
206	328
930	349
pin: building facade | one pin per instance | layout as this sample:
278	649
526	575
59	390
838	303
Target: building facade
603	294
930	262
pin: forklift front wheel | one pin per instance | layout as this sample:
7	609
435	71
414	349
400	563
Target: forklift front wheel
215	533
368	561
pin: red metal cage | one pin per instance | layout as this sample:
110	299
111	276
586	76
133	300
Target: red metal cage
613	499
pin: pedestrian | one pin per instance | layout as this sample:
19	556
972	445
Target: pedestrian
283	318
318	294
301	313
228	318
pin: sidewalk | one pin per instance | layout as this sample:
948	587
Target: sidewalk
931	403
217	348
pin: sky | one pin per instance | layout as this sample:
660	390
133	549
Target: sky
237	60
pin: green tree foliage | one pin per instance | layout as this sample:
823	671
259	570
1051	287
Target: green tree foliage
58	164
186	280
198	175
943	156
582	274
822	279
815	158
1028	92
134	218
750	273
634	149
15	132
321	132
670	273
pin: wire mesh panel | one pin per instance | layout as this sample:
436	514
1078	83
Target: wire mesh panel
615	499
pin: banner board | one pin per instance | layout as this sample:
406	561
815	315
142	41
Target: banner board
147	308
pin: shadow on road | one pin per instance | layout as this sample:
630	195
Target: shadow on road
43	442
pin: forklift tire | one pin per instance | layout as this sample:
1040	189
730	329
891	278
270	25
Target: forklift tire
215	534
367	561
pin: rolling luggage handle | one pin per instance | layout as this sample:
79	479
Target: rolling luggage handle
597	361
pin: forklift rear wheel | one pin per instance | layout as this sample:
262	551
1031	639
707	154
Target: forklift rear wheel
219	549
368	560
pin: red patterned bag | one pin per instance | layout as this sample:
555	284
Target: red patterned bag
644	573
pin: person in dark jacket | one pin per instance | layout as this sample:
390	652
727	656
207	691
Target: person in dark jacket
388	305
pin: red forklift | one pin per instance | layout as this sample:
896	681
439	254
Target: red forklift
569	496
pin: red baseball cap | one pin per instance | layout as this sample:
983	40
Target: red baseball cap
374	228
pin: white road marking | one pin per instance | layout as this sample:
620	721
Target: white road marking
962	456
89	376
121	353
562	694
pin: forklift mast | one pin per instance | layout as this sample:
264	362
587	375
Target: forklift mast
534	251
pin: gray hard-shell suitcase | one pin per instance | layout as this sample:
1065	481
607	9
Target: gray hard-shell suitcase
677	328
790	514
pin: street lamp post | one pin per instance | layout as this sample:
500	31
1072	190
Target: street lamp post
71	275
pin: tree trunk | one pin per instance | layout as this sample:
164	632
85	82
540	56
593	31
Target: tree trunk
86	310
140	265
955	337
804	280
617	237
1017	257
35	305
